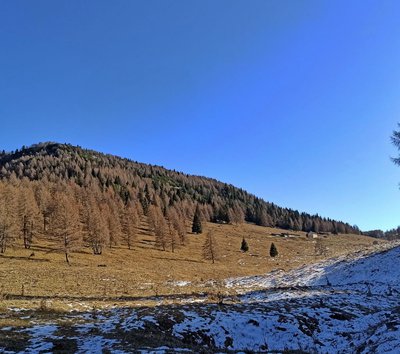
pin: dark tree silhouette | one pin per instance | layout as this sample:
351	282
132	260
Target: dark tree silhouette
273	252
197	228
396	142
244	247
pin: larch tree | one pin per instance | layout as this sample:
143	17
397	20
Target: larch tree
210	248
45	203
114	226
130	222
172	237
9	216
97	232
159	226
65	228
263	218
177	220
161	232
8	225
236	215
28	214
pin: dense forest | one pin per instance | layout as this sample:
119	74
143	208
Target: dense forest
72	195
393	234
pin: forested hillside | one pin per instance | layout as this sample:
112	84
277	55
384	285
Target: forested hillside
73	196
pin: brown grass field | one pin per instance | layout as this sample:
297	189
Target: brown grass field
136	276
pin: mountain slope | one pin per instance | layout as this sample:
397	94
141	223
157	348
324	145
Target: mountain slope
153	185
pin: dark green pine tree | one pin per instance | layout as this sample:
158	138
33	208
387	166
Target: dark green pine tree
273	252
244	247
197	227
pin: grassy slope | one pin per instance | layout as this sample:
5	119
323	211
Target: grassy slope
146	271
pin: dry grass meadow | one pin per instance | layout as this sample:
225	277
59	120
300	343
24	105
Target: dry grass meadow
139	275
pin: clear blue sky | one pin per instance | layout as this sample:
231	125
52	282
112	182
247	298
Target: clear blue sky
294	101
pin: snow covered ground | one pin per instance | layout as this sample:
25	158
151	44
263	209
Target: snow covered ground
345	305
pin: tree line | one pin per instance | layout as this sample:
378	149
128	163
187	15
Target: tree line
146	186
69	217
392	234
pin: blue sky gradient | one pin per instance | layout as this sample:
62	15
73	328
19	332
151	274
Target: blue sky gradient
294	101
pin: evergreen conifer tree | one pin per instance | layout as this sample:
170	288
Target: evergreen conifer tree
197	227
273	252
244	247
